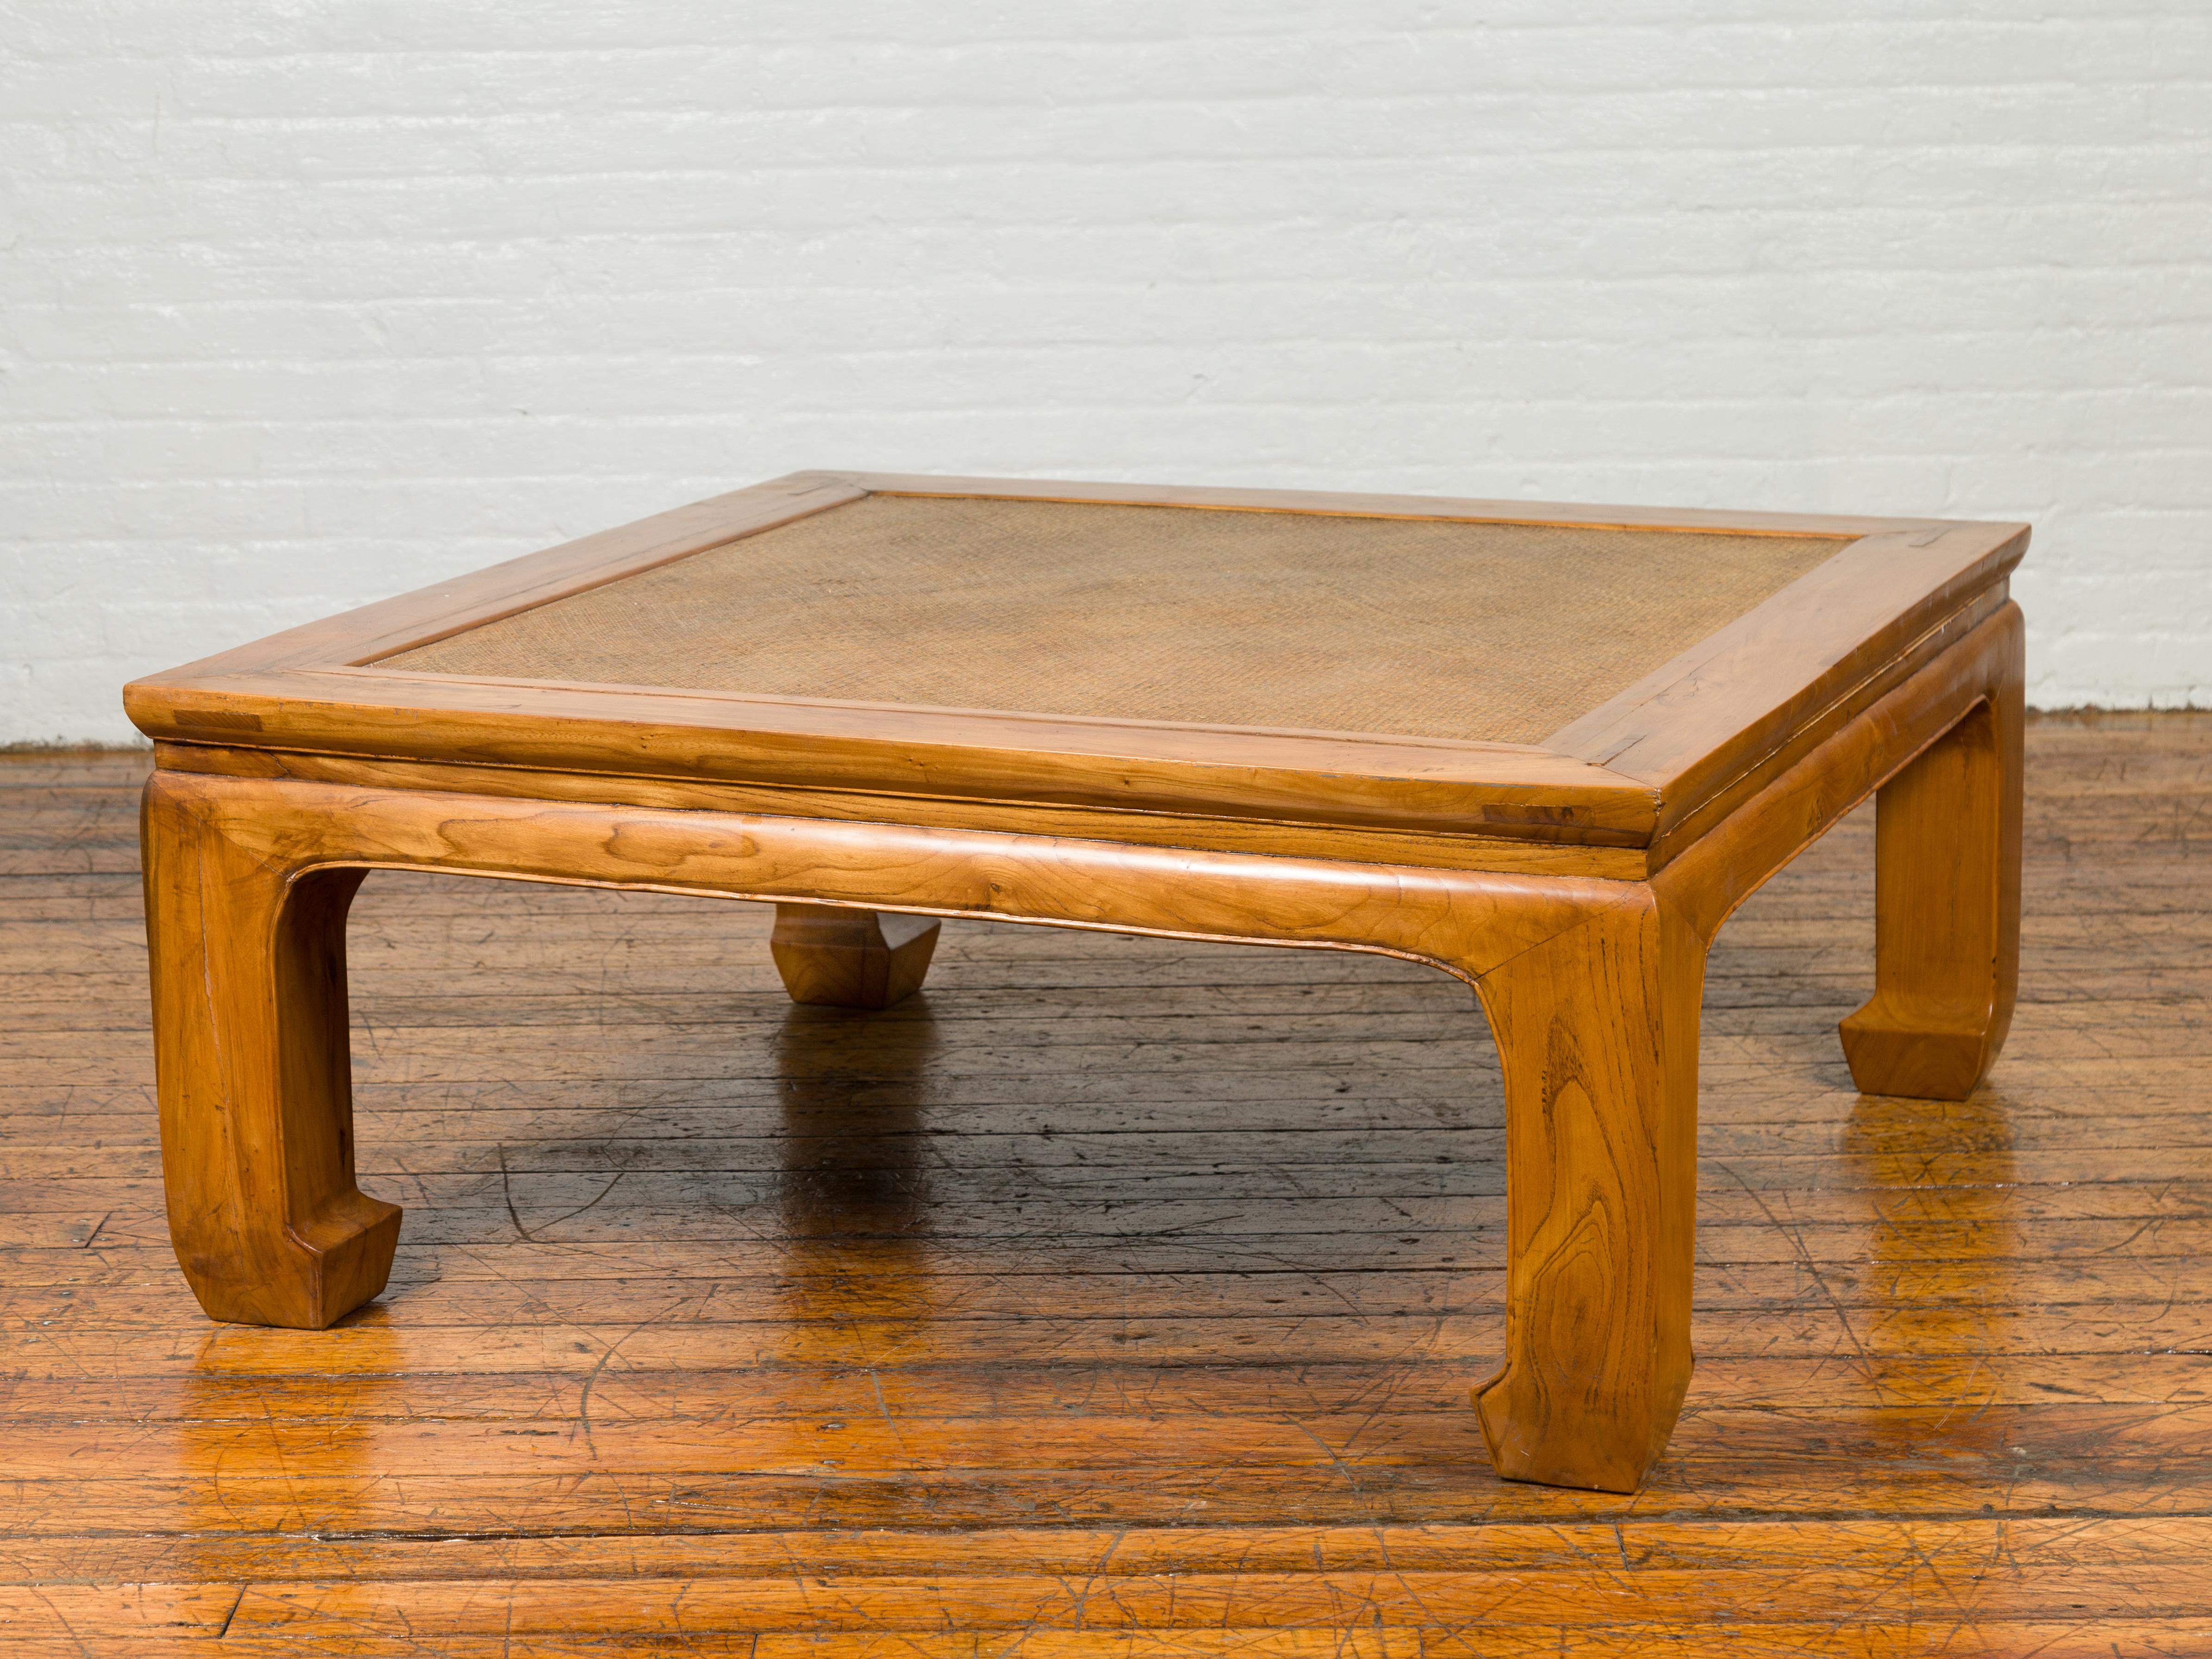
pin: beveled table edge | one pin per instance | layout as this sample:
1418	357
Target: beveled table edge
1708	727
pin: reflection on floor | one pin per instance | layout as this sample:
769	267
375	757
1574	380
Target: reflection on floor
1112	1296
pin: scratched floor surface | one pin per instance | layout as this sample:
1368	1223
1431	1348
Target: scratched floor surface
1113	1296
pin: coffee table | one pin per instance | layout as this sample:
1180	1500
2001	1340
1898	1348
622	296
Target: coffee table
1545	749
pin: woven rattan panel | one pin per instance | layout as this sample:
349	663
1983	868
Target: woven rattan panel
1497	632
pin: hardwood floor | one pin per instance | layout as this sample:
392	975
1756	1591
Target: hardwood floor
1112	1296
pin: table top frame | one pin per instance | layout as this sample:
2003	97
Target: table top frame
1618	791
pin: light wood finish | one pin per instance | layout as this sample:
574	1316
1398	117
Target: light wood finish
1316	778
1597	1362
1576	886
1436	850
1597	1037
843	957
1948	930
256	1114
1367	505
1060	1310
1873	614
1597	1031
1463	630
249	990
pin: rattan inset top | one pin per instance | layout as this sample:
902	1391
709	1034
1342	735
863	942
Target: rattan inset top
1483	631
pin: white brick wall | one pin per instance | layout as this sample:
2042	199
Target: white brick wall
302	303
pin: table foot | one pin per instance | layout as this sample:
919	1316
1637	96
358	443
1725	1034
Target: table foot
1946	917
844	958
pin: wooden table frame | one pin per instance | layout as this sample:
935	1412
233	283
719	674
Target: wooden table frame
1576	886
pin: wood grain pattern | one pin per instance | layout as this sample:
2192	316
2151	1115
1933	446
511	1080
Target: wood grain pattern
249	998
1714	725
1894	664
1324	778
1431	849
1230	499
924	1331
840	958
1592	990
1700	735
248	879
1947	913
428	613
1597	1037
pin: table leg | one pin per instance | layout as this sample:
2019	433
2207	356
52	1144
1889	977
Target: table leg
851	958
1597	1036
254	1076
1946	912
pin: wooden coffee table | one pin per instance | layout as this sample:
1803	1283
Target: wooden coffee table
1545	749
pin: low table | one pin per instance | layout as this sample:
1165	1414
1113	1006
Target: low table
1547	750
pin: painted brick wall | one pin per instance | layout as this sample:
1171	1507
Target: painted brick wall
308	303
